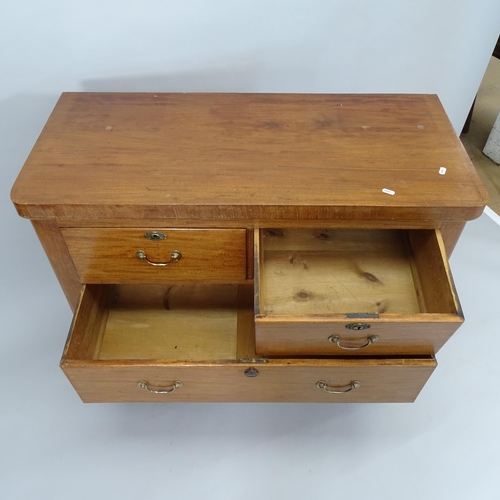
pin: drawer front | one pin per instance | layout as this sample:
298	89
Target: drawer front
104	255
329	381
351	337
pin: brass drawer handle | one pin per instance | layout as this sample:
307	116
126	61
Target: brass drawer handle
175	256
176	385
321	384
335	339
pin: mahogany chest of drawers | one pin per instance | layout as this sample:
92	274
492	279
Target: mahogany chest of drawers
251	247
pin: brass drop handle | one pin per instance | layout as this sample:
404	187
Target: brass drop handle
175	385
321	384
335	339
175	256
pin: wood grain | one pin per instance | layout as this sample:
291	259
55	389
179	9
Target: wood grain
435	278
248	157
89	323
174	322
451	232
245	342
108	255
214	168
106	375
310	284
344	271
288	380
56	250
399	335
258	223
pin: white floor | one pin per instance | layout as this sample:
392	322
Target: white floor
52	446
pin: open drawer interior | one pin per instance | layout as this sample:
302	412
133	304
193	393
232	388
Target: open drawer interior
352	272
168	322
138	343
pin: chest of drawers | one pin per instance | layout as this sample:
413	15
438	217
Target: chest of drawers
251	247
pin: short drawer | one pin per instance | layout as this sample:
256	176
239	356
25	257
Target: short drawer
353	292
157	343
116	255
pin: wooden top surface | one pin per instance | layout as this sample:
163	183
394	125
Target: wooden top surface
248	157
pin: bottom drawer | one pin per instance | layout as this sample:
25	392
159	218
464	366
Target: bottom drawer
167	343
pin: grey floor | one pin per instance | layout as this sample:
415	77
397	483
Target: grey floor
54	447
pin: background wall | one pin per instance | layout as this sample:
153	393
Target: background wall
52	446
420	46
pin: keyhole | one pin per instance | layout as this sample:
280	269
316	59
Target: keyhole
251	372
155	236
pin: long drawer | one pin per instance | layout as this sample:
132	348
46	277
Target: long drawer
190	342
353	292
145	255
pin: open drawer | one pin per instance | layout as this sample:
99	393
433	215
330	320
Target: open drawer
166	343
353	292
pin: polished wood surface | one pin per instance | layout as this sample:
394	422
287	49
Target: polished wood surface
216	172
287	380
451	231
399	335
56	250
247	157
89	323
108	255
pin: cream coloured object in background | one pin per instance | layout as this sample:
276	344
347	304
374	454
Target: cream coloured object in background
492	148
